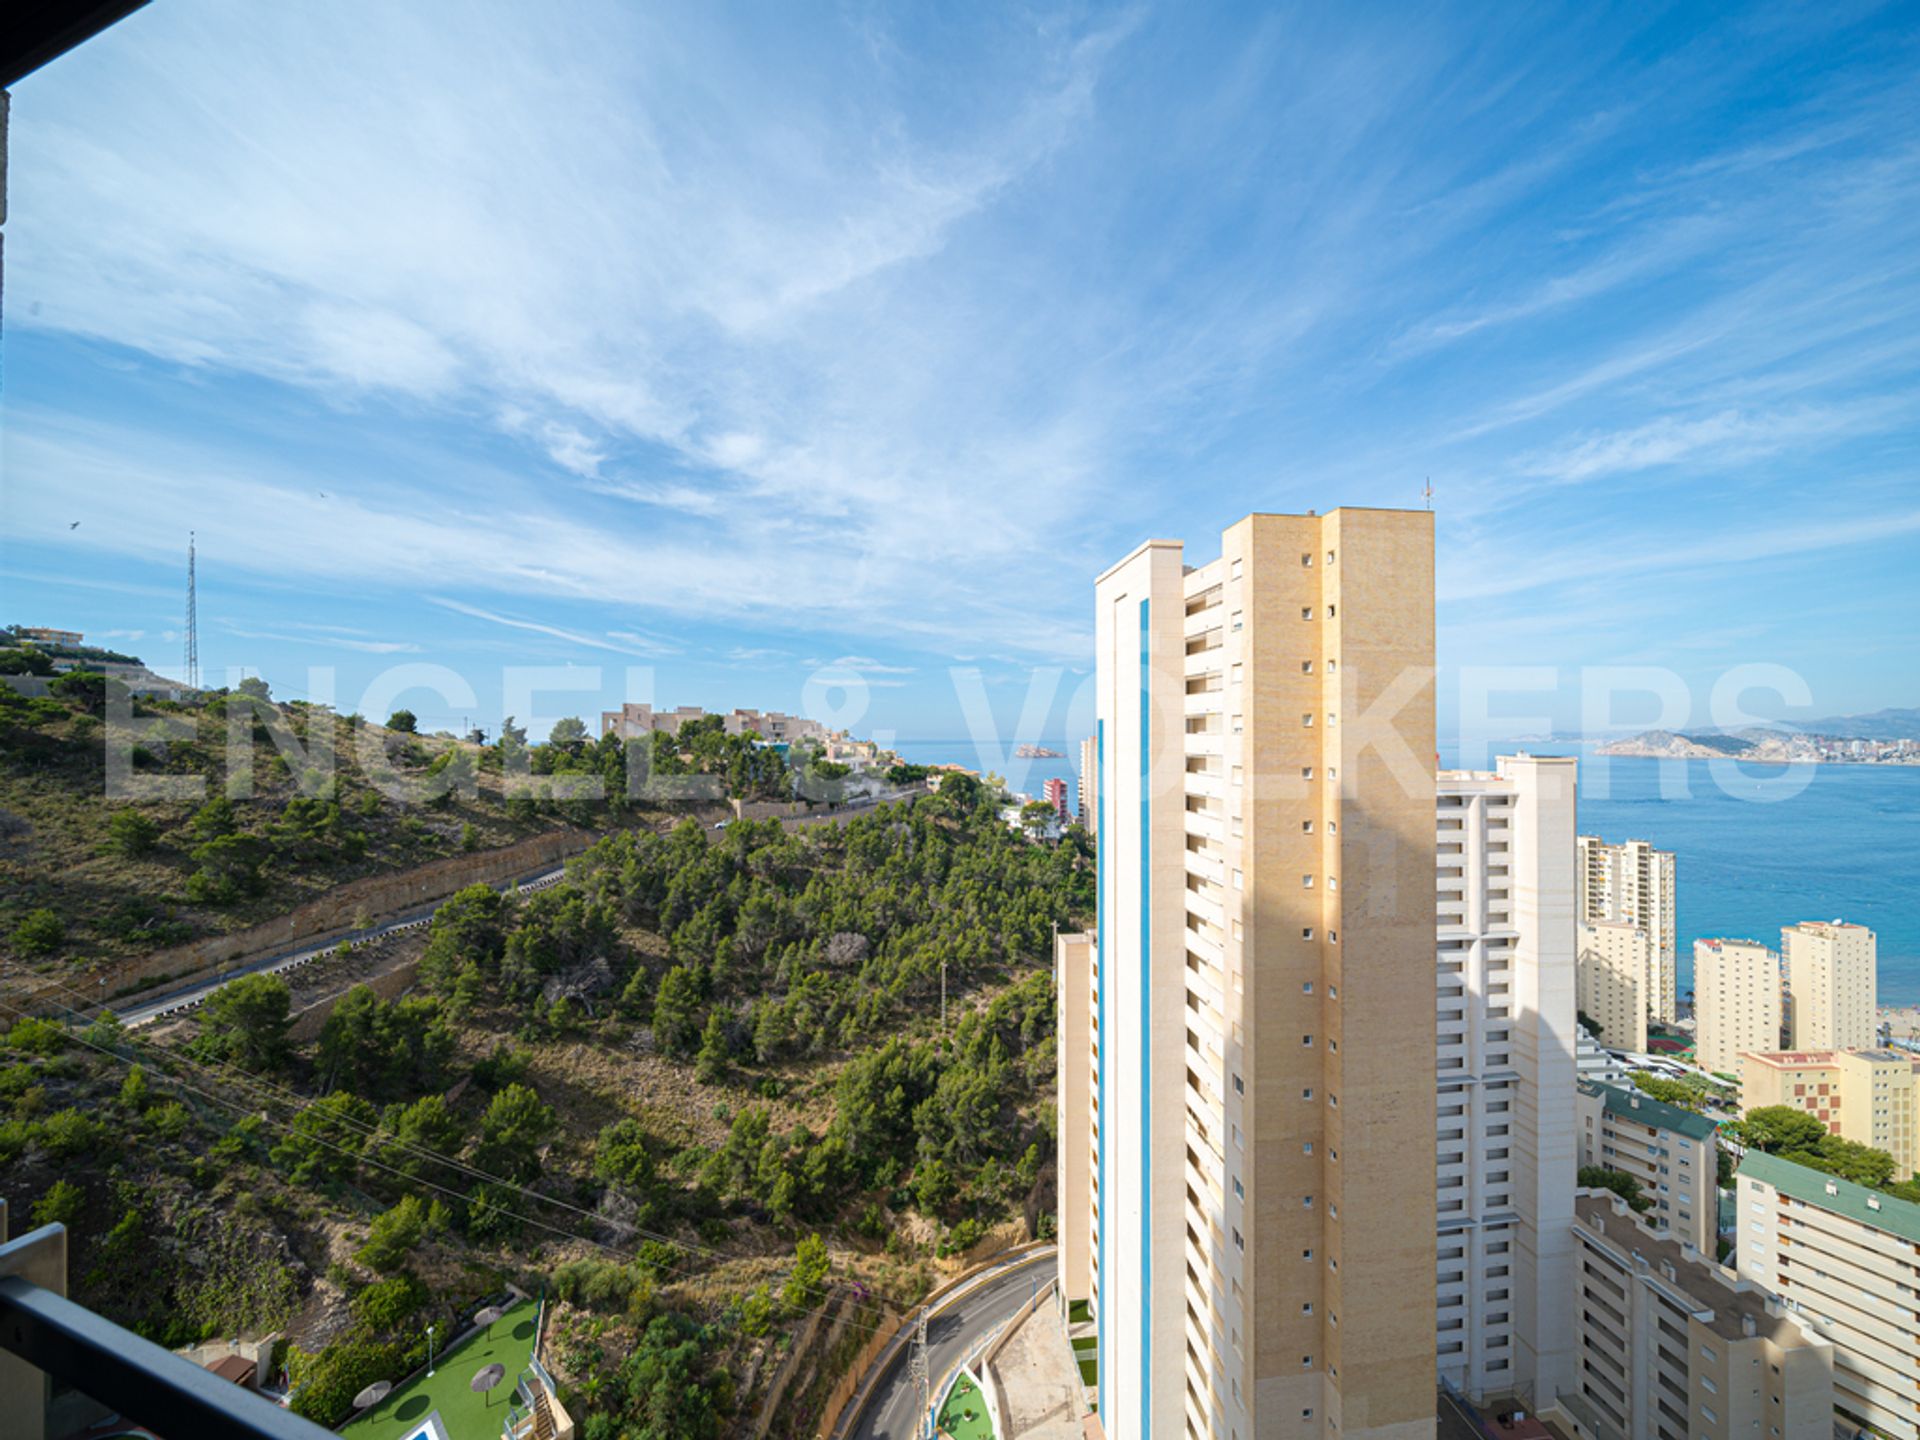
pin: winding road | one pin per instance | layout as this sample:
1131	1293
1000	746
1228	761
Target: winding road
887	1407
144	1009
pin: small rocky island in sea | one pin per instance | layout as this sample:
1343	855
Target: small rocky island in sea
1035	752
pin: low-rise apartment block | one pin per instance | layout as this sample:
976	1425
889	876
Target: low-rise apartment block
1615	972
1862	1095
1633	884
1845	1260
1833	983
1737	988
1676	1347
1670	1151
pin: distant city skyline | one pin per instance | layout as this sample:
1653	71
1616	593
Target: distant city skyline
766	347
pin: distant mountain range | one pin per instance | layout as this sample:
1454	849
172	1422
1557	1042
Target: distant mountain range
1880	725
1884	737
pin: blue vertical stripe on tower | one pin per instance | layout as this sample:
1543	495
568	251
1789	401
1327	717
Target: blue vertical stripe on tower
1102	789
1146	1033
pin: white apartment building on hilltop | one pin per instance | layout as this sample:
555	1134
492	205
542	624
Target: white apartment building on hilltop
632	720
1736	1002
1258	1245
1507	1043
1832	979
1633	884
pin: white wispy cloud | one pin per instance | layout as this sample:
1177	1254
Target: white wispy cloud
1726	437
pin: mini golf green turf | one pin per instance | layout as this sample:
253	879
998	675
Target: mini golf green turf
966	1396
467	1414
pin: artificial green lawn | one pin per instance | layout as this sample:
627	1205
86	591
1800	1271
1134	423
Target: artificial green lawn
966	1396
466	1414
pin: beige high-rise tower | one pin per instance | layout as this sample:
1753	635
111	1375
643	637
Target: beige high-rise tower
1833	985
1259	1234
1736	1001
1633	884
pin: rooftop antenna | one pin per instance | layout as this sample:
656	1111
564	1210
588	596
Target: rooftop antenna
193	620
1429	492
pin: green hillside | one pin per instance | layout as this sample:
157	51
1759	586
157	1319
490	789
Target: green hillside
693	1094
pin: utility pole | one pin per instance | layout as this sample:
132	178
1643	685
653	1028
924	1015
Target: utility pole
917	1365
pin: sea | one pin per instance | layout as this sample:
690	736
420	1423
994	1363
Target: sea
1756	847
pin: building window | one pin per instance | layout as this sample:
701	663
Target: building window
1306	561
1306	932
1306	882
1306	612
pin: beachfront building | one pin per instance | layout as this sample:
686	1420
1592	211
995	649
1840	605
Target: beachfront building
1673	1346
1845	1260
1671	1153
1831	976
1633	884
1736	1002
1862	1095
1260	1253
1506	1046
1614	969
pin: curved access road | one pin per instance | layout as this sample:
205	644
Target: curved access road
887	1406
143	1009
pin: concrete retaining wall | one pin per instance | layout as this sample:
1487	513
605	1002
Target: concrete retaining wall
352	906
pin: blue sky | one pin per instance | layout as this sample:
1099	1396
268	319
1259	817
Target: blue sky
747	345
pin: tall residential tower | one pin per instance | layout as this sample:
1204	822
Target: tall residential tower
1261	986
1507	1043
1632	884
1833	980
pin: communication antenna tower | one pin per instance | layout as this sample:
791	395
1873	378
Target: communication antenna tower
192	676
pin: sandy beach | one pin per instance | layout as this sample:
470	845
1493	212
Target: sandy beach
1901	1020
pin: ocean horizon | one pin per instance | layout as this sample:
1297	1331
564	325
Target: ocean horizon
1757	847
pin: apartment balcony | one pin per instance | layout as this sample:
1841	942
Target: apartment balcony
1208	865
1209	661
1210	616
1205	702
1212	784
1211	743
1209	947
1207	908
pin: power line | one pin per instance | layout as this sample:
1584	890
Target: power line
263	1092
